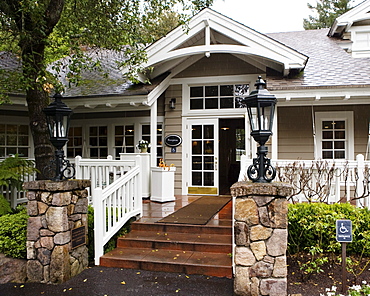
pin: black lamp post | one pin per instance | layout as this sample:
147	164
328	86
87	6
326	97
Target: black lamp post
261	107
58	117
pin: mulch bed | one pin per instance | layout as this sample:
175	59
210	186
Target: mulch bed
314	284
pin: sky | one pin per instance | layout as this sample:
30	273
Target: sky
268	16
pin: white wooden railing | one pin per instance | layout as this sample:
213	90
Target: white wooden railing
101	172
115	205
15	196
327	181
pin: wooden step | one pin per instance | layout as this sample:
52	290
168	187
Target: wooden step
190	249
205	263
204	242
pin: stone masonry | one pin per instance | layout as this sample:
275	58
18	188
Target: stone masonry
55	208
261	238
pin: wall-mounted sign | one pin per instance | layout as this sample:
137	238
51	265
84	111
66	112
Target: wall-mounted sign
173	140
78	236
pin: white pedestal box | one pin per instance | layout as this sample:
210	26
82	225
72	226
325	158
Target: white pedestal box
163	184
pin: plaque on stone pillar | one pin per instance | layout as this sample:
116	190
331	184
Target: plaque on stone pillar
78	237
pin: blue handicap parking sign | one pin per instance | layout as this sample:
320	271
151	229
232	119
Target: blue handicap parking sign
344	231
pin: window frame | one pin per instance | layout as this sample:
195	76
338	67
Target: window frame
347	117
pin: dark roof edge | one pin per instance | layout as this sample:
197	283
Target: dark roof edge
319	87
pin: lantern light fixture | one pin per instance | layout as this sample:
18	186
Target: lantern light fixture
173	103
58	116
261	107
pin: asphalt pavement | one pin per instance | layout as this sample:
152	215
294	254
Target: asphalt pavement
104	281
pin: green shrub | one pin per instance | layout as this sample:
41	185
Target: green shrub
4	206
313	224
13	234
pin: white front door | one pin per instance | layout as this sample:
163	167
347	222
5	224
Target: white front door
203	156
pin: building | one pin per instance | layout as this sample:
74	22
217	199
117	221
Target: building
198	79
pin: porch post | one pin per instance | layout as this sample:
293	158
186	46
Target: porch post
274	145
153	134
261	238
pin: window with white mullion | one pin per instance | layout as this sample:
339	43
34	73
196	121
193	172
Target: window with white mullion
124	142
334	135
334	139
98	141
223	96
14	139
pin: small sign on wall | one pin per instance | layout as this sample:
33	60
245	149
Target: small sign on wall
173	140
78	237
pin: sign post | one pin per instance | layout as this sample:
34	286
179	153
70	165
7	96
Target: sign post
344	236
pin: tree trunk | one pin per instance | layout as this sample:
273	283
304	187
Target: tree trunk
37	100
43	150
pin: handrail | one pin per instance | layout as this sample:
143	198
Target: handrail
114	205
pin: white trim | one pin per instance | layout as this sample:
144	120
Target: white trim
347	116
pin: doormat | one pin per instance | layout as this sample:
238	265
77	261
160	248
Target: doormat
199	212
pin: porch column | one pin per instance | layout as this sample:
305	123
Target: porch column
261	238
274	145
153	134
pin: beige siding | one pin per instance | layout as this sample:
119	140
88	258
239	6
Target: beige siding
295	140
173	125
219	64
295	131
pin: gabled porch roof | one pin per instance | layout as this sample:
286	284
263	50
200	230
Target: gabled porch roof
210	32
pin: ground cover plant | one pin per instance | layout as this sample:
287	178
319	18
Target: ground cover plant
315	255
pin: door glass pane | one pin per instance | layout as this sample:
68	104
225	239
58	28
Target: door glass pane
209	147
208	179
197	178
197	163
196	132
208	132
197	147
209	163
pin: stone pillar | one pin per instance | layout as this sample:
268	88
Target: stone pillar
261	238
55	209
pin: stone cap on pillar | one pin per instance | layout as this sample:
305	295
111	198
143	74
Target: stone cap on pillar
52	186
247	188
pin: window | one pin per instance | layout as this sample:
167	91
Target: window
14	139
334	135
333	139
145	135
218	96
124	139
98	141
74	144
